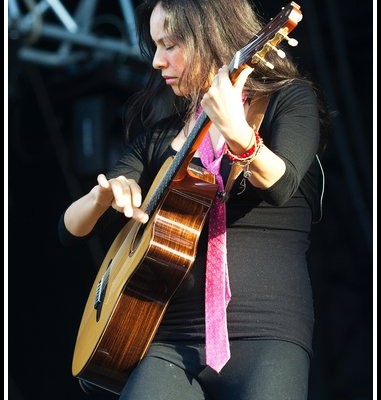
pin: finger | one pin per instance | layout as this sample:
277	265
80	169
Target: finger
222	76
102	181
242	77
218	74
122	194
116	207
140	215
136	213
223	71
136	194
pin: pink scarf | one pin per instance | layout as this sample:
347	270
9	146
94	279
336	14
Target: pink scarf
217	289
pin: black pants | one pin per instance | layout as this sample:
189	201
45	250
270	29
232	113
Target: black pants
257	370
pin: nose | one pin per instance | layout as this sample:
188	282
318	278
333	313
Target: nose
159	61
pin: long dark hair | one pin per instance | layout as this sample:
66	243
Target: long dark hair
211	31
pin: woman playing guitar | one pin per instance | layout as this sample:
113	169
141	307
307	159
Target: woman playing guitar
218	192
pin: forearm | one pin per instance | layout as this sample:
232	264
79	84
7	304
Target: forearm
82	215
266	169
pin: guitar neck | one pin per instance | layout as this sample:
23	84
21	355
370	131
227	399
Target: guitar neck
254	52
179	165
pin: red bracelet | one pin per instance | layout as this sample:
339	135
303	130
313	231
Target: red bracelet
248	153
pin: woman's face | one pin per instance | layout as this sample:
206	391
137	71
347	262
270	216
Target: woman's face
170	57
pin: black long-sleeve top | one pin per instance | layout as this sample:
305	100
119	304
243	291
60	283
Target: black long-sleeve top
267	230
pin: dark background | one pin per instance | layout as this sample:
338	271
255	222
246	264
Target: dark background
53	159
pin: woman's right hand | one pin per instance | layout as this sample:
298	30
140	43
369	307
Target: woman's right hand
122	194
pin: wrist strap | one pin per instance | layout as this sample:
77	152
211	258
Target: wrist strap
258	105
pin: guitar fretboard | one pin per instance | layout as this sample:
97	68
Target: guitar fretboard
177	163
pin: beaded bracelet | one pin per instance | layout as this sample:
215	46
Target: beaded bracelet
250	153
244	160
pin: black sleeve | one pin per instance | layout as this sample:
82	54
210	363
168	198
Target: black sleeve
291	129
134	162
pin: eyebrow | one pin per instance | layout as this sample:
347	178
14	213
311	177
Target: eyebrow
162	39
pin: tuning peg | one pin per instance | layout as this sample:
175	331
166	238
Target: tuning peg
267	63
280	52
292	42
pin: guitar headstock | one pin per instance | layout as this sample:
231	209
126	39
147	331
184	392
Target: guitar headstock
268	38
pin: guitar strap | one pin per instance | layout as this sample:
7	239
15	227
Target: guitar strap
256	113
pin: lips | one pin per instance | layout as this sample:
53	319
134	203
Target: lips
169	80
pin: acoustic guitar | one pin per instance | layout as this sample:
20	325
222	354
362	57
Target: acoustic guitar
146	263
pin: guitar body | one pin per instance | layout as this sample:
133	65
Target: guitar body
140	273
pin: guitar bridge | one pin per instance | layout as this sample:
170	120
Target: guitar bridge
101	290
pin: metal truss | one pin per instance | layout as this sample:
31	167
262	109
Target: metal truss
36	25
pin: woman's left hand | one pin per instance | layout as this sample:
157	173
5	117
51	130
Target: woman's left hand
223	105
